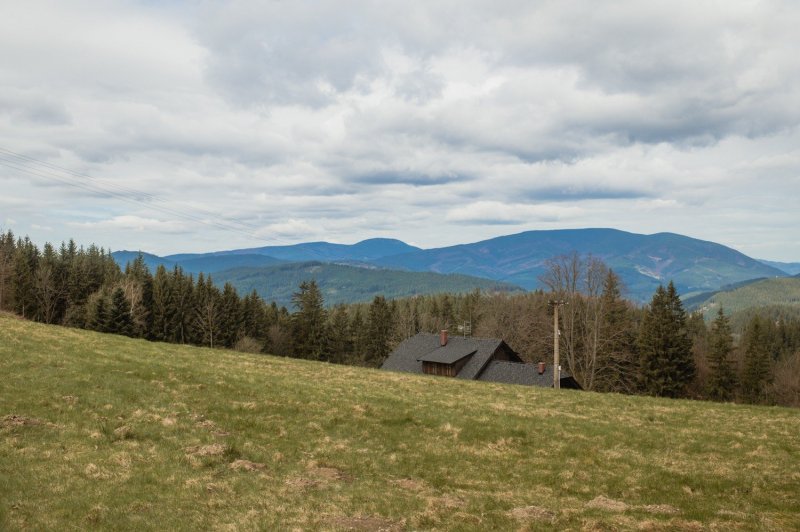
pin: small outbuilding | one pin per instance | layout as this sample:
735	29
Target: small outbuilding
484	359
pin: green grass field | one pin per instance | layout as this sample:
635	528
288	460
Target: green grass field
104	432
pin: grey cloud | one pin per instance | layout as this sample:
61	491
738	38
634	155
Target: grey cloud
570	192
408	178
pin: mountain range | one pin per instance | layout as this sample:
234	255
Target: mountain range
642	261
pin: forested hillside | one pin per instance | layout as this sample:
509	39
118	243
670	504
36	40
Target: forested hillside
349	284
607	343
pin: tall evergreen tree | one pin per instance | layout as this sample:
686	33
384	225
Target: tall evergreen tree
722	379
755	372
98	318
666	364
379	332
309	323
139	291
208	312
617	354
231	326
26	262
341	341
7	253
119	315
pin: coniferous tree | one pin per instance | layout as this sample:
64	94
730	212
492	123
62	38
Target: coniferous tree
309	323
618	363
182	308
722	379
208	312
379	332
359	334
138	287
119	315
99	318
160	312
755	371
231	324
666	364
26	262
7	253
341	341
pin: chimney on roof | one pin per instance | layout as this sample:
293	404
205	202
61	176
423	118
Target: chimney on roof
541	368
443	338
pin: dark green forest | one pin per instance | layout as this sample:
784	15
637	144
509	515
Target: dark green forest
608	343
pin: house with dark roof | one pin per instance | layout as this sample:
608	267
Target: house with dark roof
483	359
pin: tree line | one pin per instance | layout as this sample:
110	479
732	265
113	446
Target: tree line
607	343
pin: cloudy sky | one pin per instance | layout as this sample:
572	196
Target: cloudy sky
173	126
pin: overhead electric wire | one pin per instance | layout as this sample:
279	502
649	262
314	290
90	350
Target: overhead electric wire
28	165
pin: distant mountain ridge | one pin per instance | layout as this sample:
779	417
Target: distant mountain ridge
791	268
642	261
366	251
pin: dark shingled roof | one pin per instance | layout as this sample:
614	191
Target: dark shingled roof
409	354
516	373
452	352
526	374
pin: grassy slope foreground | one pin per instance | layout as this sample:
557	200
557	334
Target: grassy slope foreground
105	432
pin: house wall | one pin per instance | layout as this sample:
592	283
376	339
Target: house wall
443	370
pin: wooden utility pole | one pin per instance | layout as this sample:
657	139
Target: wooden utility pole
556	338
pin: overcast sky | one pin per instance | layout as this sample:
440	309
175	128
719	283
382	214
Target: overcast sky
201	125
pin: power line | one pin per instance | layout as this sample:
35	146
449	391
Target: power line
45	170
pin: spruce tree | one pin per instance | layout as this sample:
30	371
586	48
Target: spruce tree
617	354
98	320
341	341
379	332
666	365
309	323
119	315
755	372
722	379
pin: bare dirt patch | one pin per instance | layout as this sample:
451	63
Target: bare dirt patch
14	420
365	523
604	503
535	513
445	502
410	484
659	509
317	475
246	465
215	449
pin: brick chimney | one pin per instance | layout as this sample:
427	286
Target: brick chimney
443	338
541	368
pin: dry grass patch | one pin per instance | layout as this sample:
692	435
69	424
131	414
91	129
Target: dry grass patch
246	465
366	524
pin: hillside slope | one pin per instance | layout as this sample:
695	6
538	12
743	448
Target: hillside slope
784	292
107	433
341	283
643	261
791	268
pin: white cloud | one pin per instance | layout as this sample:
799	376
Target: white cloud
295	121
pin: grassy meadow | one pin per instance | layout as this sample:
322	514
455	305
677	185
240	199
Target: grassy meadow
105	432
